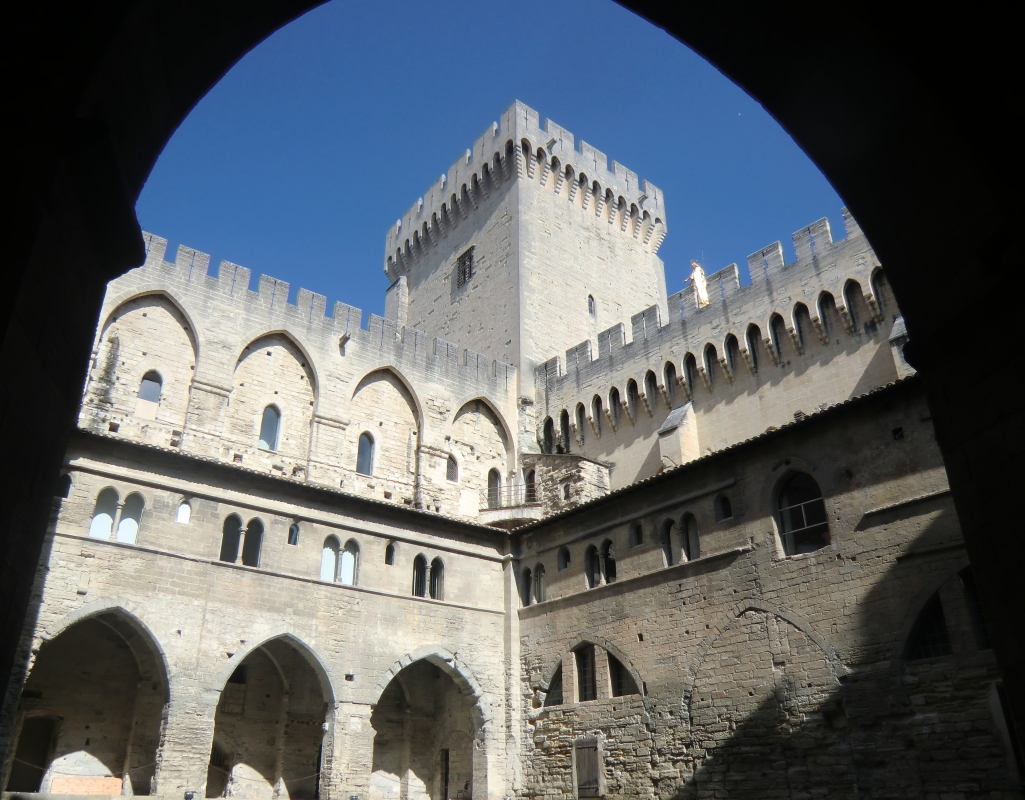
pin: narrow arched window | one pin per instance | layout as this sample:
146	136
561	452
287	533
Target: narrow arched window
102	524
668	533
596	409
548	436
365	454
539	583
350	563
419	576
452	469
670	378
590	305
184	513
711	362
64	486
592	567
581	414
526	586
732	348
802	322
253	543
494	489
689	537
636	535
802	515
778	332
293	534
633	397
531	487
563	559
754	341
131	516
329	560
149	388
269	429
389	555
437	586
690	372
231	535
564	430
614	404
723	508
608	561
651	388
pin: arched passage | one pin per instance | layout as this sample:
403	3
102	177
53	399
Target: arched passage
269	725
428	733
91	710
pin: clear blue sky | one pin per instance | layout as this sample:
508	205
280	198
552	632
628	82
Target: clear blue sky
296	163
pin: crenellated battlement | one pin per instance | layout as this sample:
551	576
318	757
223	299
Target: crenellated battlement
267	308
519	146
771	305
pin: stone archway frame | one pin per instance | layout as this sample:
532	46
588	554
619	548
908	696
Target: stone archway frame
451	666
832	657
210	694
127	612
216	683
130	613
597	641
914	608
116	302
462	675
512	450
250	336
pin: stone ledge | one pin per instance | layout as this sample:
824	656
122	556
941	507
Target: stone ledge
704	564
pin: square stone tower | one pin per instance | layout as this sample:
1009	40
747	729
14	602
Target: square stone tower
527	246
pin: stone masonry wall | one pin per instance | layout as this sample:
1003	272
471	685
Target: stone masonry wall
550	224
762	674
203	617
225	353
743	373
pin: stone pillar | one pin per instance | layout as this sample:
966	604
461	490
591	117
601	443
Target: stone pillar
188	739
349	742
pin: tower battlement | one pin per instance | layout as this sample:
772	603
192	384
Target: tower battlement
517	145
822	268
831	299
187	279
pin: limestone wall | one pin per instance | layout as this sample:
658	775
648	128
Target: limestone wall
762	674
224	354
550	226
797	338
203	617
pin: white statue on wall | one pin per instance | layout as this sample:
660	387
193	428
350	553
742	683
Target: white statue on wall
697	279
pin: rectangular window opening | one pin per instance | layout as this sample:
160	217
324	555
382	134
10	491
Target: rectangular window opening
464	267
587	686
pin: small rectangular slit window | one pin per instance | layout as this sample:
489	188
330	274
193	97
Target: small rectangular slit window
464	268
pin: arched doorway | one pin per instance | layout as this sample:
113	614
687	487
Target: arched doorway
91	711
269	726
427	738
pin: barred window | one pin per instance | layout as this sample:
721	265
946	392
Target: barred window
587	685
464	267
802	516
